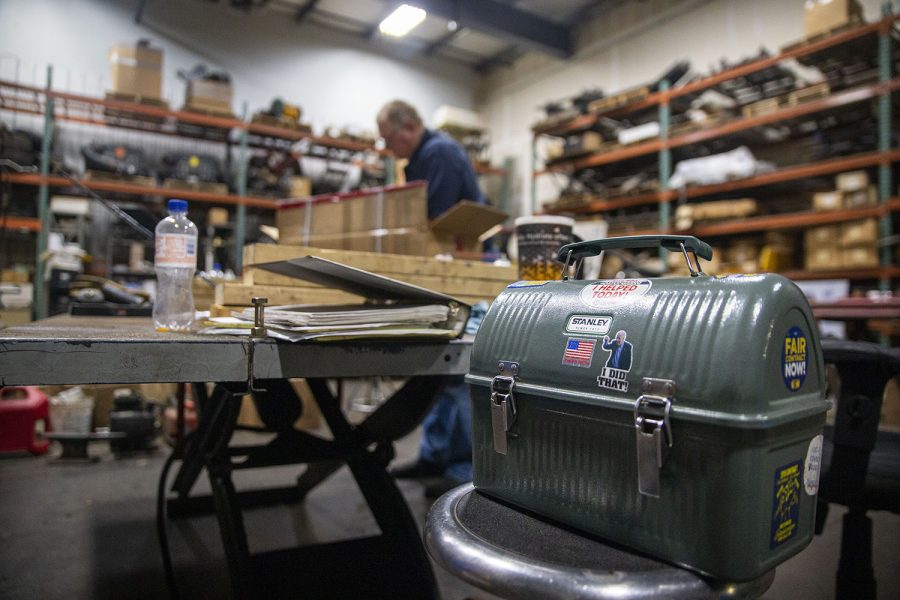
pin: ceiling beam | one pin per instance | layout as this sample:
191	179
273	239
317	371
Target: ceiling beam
304	11
585	12
506	22
439	43
504	58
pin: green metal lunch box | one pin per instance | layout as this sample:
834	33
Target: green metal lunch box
681	417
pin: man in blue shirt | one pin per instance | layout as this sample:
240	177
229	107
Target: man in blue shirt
445	452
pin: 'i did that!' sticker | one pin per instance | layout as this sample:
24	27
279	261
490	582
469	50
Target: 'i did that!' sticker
794	358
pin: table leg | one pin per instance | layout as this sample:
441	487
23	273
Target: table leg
378	488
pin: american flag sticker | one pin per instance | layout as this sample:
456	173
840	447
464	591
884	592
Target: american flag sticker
579	353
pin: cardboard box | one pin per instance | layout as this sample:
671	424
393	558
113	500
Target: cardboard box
822	258
217	216
209	91
828	200
387	208
861	198
859	233
15	276
826	235
823	16
589	141
860	257
301	187
15	316
136	70
851	181
391	219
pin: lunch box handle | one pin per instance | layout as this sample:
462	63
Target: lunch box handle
672	243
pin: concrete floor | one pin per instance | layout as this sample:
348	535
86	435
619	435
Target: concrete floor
87	531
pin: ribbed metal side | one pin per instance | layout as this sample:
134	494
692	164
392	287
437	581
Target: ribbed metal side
510	332
580	472
690	320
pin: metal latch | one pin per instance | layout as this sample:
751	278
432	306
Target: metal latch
653	431
503	403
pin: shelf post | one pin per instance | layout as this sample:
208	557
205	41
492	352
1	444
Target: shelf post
390	167
885	184
40	299
534	160
240	220
665	164
505	186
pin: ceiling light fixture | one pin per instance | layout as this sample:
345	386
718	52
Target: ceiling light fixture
402	21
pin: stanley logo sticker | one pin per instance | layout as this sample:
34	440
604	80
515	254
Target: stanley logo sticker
589	324
794	359
614	292
786	504
614	376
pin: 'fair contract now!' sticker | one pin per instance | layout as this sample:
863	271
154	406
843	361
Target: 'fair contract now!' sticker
615	292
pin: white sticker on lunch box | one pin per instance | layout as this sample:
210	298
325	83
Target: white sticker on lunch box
614	292
812	467
589	324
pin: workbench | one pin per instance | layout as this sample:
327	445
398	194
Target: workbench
99	350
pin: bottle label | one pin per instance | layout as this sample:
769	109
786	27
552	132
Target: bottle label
176	250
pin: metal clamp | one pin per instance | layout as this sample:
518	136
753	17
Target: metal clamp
259	317
565	271
653	432
503	404
695	272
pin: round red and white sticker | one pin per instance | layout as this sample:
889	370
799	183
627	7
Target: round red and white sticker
614	292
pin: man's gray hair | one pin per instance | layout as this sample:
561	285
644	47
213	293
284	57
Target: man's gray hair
398	113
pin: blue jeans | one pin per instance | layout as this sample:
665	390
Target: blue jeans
447	435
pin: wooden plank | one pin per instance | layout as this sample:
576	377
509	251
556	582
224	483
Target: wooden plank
454	286
208	187
241	294
383	263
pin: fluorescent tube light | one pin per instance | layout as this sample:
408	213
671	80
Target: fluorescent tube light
402	21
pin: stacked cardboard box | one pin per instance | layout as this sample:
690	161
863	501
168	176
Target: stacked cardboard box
136	71
847	245
391	219
208	96
852	190
823	16
469	281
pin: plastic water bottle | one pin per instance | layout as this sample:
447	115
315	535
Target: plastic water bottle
176	261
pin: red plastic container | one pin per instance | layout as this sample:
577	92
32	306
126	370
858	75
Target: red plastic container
21	409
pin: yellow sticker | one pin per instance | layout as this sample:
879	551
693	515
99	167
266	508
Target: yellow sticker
194	161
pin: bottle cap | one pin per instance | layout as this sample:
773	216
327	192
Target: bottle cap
177	205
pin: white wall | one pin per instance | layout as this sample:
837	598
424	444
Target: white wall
632	43
337	78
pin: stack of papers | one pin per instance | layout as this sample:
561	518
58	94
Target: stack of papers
296	323
399	310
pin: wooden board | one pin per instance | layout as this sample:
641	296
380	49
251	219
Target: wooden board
141	180
620	99
242	294
383	263
454	286
196	186
813	92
